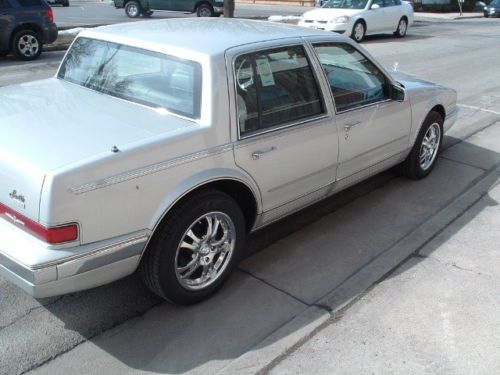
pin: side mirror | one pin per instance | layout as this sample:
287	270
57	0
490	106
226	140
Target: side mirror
397	93
375	6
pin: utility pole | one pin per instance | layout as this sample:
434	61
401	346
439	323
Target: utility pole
229	8
460	2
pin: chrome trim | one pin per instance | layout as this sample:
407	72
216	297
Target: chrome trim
105	249
361	106
154	168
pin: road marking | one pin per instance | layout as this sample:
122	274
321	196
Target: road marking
479	109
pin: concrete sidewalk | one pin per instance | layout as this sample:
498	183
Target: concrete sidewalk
427	16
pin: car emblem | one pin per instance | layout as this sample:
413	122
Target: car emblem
17	197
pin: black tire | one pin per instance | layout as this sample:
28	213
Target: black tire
4	53
412	167
205	10
66	3
147	13
158	265
133	9
402	28
356	35
27	45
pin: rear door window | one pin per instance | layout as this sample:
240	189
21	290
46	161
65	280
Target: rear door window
275	87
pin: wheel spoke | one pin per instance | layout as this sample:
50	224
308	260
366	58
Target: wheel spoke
196	239
185	245
193	267
189	265
215	228
208	234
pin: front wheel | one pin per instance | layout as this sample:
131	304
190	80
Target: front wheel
133	9
402	28
205	10
423	155
358	31
195	249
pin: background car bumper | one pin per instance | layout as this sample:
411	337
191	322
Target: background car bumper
340	28
50	33
43	272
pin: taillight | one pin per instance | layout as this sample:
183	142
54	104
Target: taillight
50	15
53	235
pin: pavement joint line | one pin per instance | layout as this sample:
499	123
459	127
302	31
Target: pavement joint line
463	163
273	286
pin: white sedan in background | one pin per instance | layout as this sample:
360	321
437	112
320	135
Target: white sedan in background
357	18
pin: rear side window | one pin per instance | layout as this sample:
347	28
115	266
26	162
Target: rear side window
275	87
4	4
30	3
137	75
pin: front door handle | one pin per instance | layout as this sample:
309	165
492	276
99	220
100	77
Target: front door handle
348	127
257	154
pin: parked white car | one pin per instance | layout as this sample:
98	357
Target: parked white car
178	137
357	18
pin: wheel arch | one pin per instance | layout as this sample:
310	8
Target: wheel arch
25	26
237	185
434	105
198	3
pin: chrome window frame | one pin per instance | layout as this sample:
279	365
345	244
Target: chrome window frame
290	124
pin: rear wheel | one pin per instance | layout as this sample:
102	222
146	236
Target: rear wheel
205	10
402	28
358	31
133	9
195	249
27	45
423	155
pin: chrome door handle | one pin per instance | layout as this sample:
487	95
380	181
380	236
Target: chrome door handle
257	154
348	127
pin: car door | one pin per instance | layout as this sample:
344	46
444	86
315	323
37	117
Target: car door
5	19
287	139
394	12
178	5
375	17
373	128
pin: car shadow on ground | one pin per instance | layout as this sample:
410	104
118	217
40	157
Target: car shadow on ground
291	265
388	38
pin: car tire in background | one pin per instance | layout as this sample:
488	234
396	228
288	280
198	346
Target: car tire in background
423	155
358	31
133	9
195	248
65	3
402	28
205	10
27	45
147	13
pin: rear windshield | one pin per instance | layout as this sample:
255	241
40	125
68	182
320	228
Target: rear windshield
137	75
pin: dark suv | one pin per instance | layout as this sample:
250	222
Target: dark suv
25	26
202	8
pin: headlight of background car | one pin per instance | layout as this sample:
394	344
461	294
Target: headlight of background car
342	19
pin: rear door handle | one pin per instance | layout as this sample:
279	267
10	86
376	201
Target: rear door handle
257	154
348	127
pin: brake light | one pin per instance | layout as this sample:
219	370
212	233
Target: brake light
51	235
50	15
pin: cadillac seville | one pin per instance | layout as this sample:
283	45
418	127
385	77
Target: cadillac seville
177	138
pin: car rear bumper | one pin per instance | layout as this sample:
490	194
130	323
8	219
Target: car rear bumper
43	271
50	33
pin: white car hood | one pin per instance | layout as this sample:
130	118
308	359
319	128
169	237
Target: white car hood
325	14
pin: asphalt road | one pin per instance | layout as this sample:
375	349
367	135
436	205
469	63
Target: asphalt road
292	265
91	13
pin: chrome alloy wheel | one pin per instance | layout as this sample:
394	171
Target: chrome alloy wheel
28	45
430	146
402	27
359	31
205	250
205	12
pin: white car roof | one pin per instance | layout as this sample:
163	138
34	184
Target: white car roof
207	36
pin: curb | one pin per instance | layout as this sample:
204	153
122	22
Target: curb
278	345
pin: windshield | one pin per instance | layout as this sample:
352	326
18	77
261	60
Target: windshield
346	4
137	75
